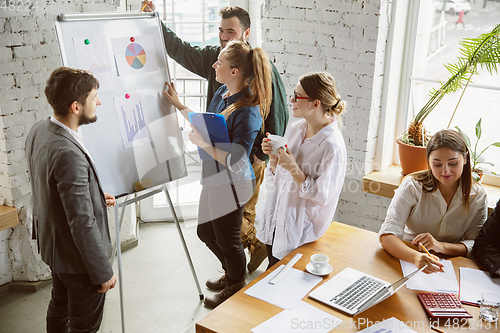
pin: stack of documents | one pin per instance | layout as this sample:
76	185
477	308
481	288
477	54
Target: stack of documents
474	283
436	282
288	292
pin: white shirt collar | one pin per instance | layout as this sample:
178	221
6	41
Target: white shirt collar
77	135
321	134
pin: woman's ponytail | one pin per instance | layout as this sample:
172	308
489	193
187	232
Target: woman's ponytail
255	68
261	84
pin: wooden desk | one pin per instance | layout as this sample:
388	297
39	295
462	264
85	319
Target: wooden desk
346	246
8	217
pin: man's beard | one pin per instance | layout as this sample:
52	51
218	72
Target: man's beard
84	120
222	42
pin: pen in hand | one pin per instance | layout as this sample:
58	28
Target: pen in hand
423	247
437	329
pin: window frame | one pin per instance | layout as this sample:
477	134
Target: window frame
400	52
398	61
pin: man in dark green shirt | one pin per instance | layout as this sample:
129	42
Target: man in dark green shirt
234	25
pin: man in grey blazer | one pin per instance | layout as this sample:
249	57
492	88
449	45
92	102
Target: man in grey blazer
69	206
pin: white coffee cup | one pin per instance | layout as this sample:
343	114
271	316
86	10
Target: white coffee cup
277	142
319	262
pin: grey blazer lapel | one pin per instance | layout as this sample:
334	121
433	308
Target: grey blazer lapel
56	129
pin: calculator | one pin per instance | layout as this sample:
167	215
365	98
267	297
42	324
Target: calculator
443	305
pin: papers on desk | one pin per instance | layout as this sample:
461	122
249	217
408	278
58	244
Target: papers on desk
474	283
436	282
303	317
391	325
292	287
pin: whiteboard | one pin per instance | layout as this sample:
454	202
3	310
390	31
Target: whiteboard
137	135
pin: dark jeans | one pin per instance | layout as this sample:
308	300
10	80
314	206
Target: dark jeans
76	306
219	226
272	259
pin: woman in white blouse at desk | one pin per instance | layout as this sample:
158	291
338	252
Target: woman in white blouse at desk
442	208
304	180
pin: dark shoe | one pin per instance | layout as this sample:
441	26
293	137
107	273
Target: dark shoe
258	253
212	301
217	284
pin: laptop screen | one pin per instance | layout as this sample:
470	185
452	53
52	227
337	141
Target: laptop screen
398	284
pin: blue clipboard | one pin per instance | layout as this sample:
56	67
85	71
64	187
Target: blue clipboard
213	128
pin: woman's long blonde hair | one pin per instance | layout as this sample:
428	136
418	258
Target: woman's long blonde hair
256	71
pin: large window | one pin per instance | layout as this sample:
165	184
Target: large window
438	37
197	22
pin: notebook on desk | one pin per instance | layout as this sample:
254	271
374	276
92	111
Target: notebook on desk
352	291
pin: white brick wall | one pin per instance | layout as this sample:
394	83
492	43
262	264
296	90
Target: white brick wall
346	38
28	54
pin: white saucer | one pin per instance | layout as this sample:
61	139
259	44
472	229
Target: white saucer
328	270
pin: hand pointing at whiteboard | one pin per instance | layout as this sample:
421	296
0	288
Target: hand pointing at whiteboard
171	94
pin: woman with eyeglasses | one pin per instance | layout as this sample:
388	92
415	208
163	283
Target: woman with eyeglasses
305	178
228	180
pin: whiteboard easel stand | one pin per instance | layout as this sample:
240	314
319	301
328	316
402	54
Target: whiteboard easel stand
117	247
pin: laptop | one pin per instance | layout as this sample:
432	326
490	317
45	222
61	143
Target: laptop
352	291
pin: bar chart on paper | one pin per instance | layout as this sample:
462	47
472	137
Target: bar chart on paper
132	119
135	123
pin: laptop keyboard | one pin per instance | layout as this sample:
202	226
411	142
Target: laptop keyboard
357	292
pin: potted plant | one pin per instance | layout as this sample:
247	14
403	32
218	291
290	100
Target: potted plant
483	50
475	156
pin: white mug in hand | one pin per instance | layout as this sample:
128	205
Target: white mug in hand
319	262
277	142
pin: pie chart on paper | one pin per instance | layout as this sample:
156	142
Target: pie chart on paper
135	56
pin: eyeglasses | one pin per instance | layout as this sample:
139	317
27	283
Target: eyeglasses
295	97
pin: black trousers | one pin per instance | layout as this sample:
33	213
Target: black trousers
272	259
76	306
220	214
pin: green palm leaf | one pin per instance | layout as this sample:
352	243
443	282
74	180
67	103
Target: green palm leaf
466	138
478	130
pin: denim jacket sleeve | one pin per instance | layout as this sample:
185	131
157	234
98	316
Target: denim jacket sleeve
247	122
